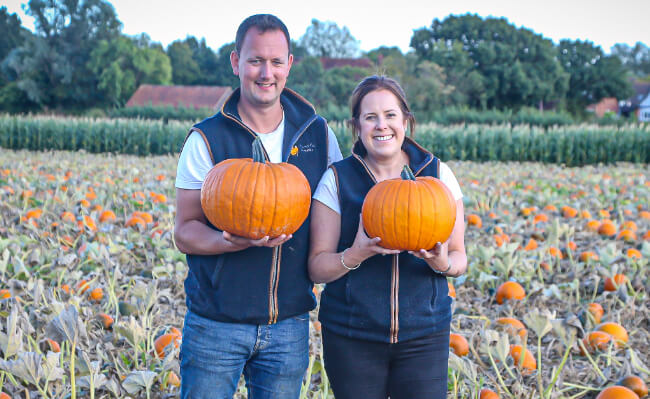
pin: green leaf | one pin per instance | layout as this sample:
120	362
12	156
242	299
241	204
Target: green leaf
138	380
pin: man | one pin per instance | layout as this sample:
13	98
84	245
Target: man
249	300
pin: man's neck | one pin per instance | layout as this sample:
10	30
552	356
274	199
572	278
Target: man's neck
261	120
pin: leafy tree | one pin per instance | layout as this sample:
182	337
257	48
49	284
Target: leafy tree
11	32
341	81
326	39
593	75
223	71
121	66
636	59
308	78
297	50
423	81
185	69
205	58
52	68
504	67
383	52
12	36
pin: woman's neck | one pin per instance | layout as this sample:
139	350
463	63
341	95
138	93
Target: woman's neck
384	169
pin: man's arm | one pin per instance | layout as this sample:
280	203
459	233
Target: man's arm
191	232
193	236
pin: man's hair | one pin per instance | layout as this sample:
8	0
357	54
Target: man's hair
263	23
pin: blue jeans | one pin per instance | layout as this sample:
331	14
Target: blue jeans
273	357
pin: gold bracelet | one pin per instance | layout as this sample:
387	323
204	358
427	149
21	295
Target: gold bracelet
343	262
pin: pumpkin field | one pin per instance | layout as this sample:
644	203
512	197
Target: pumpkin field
555	303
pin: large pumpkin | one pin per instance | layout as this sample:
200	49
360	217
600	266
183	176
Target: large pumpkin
253	198
410	213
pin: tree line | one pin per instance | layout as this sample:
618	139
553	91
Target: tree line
78	60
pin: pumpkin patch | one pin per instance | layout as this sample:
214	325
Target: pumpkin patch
120	283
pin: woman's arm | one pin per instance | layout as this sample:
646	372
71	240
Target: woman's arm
324	262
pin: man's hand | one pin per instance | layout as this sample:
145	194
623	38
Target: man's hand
240	243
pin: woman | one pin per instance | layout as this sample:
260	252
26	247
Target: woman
385	319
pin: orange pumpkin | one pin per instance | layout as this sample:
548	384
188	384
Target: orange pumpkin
586	255
633	253
607	228
528	364
458	344
488	394
513	326
253	198
106	320
510	290
596	311
596	341
163	341
54	346
410	213
635	384
612	284
617	331
452	290
173	379
474	220
617	392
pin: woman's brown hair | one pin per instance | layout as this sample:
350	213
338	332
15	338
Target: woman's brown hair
373	83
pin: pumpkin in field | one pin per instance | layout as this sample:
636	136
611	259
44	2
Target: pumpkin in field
512	326
458	344
510	290
617	331
596	341
410	213
612	284
635	384
487	393
526	362
617	392
253	198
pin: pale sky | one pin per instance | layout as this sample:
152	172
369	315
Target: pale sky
602	22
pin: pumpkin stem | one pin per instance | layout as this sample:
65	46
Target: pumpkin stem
258	151
407	174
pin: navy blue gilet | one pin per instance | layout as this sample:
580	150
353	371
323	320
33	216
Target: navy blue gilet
259	285
388	298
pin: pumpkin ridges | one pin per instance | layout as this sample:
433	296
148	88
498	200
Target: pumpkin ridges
438	212
259	174
229	198
238	202
386	207
391	197
421	200
433	218
402	220
273	195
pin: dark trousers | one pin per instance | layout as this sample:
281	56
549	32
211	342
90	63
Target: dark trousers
373	370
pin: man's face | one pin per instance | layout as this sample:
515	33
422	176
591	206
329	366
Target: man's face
263	66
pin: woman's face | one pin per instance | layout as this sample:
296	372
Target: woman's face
382	124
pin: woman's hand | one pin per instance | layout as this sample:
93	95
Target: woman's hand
364	247
437	258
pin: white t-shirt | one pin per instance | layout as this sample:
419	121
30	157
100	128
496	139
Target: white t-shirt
327	190
194	162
